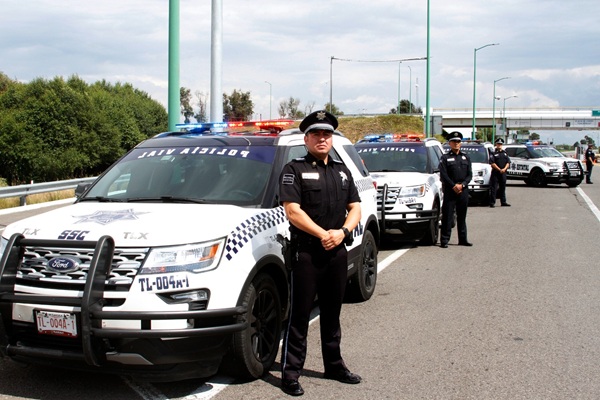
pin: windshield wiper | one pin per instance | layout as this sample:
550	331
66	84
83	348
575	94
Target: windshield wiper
166	199
101	199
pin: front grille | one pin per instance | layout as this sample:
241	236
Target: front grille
391	198
33	272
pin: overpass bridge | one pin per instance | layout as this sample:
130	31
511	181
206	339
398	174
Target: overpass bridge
507	119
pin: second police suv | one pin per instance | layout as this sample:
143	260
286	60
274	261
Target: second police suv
170	265
409	195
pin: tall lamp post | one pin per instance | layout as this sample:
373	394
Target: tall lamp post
494	109
399	65
409	90
504	110
475	80
270	92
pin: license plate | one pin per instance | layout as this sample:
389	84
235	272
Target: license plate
56	323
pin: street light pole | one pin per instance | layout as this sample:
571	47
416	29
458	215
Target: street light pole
494	109
504	112
270	93
409	90
399	65
475	81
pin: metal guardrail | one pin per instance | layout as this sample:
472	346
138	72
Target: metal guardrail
22	191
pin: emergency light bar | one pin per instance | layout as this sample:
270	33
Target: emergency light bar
275	124
392	137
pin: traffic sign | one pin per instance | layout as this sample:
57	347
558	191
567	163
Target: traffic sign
595	113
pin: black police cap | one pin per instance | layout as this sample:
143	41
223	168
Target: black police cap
455	136
319	120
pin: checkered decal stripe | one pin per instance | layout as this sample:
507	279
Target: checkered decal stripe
251	227
364	184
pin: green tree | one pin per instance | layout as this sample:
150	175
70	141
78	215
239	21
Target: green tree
185	100
202	104
238	106
333	109
57	129
290	108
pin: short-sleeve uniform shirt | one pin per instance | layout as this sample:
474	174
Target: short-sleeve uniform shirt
322	190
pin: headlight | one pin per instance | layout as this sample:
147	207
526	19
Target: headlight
555	165
413	191
198	257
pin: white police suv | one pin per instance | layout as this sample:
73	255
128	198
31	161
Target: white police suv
479	153
540	164
409	195
170	264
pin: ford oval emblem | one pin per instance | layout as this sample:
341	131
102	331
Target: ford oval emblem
64	264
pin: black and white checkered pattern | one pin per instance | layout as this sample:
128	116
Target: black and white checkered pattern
251	227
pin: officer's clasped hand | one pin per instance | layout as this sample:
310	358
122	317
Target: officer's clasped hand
332	239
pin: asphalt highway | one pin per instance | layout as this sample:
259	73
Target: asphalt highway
516	316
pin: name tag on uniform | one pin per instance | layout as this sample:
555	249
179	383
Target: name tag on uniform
451	159
310	175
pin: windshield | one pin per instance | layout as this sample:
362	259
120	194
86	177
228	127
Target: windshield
383	157
217	174
477	154
539	152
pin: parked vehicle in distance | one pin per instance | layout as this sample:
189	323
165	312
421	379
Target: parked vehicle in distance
541	164
409	190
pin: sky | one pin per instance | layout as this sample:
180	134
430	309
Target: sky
277	49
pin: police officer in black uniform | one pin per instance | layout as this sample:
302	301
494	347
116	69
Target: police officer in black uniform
590	157
500	162
322	204
455	173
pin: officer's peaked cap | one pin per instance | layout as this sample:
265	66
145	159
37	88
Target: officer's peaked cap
455	136
319	120
499	140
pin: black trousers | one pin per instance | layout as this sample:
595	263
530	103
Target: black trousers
497	187
588	175
322	273
459	203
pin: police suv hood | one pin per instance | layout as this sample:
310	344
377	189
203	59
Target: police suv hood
135	224
400	179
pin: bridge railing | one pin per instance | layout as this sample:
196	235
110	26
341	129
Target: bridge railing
22	191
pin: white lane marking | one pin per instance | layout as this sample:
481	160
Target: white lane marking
589	202
390	259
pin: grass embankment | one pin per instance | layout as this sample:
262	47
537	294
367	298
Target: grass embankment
354	128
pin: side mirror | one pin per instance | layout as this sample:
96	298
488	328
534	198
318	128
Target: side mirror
81	189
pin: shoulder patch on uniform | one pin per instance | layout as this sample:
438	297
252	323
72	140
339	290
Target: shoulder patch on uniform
287	179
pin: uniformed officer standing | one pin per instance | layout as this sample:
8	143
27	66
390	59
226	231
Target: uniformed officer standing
322	204
590	157
500	162
455	174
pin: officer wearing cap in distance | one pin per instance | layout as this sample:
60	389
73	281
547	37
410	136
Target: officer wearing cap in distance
590	157
455	174
500	162
321	202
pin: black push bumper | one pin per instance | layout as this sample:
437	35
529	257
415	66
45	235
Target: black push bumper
94	340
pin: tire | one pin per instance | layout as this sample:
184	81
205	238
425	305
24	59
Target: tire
573	184
362	284
537	178
254	349
433	228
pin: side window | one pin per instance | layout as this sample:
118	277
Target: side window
351	151
295	152
511	152
435	154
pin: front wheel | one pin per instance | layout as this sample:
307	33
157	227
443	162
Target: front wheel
362	284
254	349
537	178
433	228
